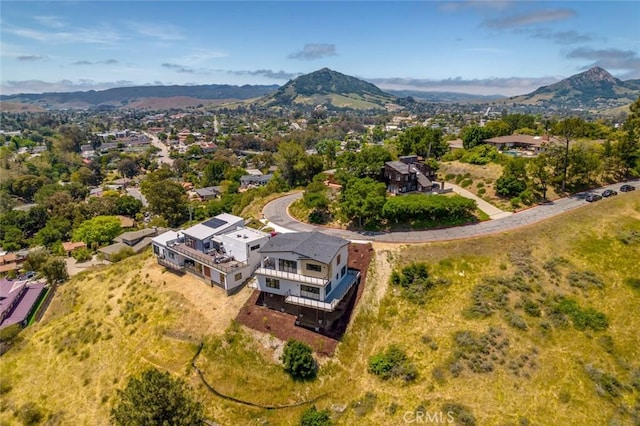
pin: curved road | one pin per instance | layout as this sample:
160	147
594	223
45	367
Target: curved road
276	213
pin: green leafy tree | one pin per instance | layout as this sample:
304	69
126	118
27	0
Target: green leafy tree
474	135
513	180
128	206
539	173
422	141
288	158
155	398
98	231
328	148
297	359
167	199
55	270
128	168
567	129
363	200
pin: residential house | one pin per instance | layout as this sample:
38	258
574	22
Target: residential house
220	251
306	273
525	144
208	193
408	174
18	299
133	240
251	181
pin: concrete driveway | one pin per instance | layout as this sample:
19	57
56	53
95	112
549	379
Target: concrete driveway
276	213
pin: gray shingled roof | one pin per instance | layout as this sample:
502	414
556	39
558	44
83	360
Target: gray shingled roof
398	166
312	245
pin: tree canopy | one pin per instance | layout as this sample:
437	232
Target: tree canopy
155	398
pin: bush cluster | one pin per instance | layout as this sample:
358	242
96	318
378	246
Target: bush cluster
581	318
393	363
436	208
415	282
298	361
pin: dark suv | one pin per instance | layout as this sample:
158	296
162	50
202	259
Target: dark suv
593	197
609	193
627	188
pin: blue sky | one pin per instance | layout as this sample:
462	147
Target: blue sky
496	47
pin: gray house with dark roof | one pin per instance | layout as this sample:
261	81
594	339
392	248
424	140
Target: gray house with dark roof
408	174
306	273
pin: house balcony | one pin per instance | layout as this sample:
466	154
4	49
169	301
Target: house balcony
333	300
271	271
213	259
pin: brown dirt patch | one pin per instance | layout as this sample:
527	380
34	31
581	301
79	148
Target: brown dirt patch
282	325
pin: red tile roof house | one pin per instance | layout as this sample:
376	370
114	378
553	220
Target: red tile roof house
18	299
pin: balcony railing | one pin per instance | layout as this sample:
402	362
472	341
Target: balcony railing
217	262
291	276
338	294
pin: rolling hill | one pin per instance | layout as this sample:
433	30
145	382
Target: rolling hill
330	89
592	90
125	96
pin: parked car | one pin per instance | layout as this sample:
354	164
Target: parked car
627	188
609	193
593	197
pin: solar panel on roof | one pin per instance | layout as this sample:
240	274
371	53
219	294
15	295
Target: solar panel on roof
214	223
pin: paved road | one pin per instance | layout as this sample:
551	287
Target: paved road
276	212
164	150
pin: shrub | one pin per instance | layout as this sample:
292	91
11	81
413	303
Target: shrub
156	398
30	414
633	282
481	191
298	361
581	318
462	414
436	208
312	417
392	363
415	282
606	384
82	254
466	183
365	404
122	254
531	308
584	280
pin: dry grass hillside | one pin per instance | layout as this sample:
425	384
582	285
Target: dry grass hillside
536	326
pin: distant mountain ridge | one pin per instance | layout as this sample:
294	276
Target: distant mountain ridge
121	96
594	89
432	96
330	89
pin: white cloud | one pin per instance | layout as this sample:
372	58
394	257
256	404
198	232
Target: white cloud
314	51
530	18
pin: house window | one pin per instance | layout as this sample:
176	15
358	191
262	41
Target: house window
207	245
238	276
327	289
398	177
156	251
171	255
313	267
254	248
344	271
288	265
338	260
309	289
272	283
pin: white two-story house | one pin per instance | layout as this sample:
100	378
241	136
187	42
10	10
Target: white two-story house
220	251
306	273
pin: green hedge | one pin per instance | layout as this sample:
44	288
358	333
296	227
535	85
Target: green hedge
428	207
